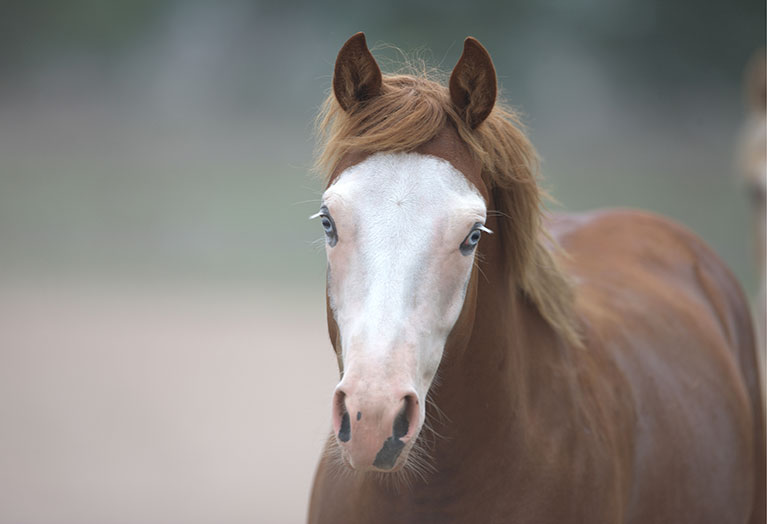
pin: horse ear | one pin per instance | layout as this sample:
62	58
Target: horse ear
356	77
472	83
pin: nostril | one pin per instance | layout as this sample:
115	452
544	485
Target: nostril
401	424
345	431
405	423
341	422
407	417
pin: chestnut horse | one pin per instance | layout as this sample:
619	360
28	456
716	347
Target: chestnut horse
598	368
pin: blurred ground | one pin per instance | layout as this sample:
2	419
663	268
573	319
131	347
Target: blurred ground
153	405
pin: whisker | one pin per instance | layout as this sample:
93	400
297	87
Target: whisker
317	244
310	201
481	272
497	213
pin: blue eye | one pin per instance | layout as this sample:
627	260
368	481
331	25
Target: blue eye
328	225
472	239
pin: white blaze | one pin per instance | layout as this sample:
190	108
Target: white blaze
397	278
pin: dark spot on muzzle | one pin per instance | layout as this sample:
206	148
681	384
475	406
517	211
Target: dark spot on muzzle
392	447
359	415
345	433
388	454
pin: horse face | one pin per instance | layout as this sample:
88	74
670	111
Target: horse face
402	231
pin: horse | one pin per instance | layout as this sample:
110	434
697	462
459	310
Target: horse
499	364
752	172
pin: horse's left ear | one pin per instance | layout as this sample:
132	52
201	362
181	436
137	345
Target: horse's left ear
472	83
356	77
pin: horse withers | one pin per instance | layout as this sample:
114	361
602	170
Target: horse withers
497	366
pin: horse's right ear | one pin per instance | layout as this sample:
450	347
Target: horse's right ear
356	77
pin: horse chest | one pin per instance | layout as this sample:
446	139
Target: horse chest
503	494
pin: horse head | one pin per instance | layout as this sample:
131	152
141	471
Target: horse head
402	229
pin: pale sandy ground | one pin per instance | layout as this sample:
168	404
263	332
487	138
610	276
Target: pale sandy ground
142	406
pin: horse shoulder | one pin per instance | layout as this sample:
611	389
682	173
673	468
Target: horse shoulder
659	303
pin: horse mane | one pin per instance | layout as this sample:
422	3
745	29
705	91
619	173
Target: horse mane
410	111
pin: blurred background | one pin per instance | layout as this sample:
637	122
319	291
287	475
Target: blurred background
163	354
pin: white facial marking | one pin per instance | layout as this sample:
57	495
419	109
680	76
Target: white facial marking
397	275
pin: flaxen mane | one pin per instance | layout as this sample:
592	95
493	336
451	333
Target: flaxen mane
412	110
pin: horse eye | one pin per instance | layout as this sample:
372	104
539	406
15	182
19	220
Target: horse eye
328	225
471	241
330	229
